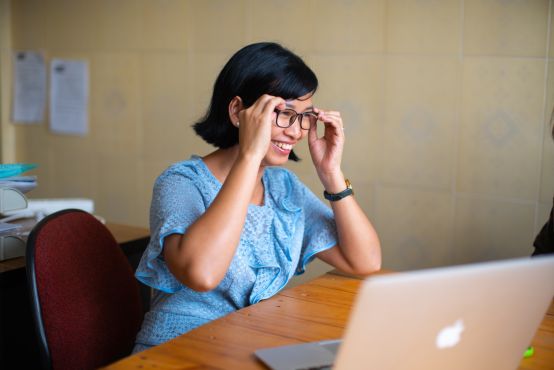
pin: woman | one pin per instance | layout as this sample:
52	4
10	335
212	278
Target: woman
232	228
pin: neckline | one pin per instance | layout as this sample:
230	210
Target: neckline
209	173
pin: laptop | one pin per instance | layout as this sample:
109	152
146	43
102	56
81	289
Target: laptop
476	316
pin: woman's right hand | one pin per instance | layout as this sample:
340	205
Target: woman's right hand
255	126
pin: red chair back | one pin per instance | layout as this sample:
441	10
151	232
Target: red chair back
85	299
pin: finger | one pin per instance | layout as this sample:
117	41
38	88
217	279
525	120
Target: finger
330	112
334	126
312	134
330	115
260	104
271	104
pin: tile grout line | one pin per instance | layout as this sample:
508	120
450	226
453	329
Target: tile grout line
457	130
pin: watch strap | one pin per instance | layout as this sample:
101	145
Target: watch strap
338	196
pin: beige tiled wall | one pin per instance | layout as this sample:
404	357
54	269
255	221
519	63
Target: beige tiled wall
446	105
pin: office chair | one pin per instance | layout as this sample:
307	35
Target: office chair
85	300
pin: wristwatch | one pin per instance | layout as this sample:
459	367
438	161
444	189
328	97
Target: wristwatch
338	196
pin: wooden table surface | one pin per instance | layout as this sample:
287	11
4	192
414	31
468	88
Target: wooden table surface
313	311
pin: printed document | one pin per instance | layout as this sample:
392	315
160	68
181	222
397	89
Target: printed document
69	92
29	87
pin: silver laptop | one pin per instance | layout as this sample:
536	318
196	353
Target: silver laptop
477	316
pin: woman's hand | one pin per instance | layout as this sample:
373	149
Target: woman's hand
255	126
326	151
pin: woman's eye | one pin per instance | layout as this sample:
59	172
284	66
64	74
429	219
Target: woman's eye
287	113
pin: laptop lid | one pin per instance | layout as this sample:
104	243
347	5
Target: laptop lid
478	316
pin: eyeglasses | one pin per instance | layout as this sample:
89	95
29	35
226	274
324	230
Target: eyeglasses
286	118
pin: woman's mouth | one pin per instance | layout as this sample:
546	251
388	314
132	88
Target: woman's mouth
281	147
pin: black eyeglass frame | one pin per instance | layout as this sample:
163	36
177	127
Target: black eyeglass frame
293	118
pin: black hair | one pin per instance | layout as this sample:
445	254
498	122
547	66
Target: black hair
254	70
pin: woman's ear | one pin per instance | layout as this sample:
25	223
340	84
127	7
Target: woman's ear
235	106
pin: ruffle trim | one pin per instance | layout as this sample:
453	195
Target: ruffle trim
156	274
270	276
310	256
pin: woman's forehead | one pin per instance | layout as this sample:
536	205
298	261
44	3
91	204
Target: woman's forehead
301	103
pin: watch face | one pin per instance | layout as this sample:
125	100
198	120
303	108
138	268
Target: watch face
348	184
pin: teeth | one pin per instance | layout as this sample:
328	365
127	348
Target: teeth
283	146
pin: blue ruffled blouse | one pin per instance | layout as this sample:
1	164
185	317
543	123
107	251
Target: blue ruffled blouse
278	240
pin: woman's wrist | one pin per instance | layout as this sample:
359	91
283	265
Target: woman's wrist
334	183
249	158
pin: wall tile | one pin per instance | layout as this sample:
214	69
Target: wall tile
29	25
93	25
349	26
500	27
115	103
421	101
289	22
410	29
166	99
118	184
358	96
217	25
551	46
164	25
547	167
488	229
71	165
414	227
205	67
501	127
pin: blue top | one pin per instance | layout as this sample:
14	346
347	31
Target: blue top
277	241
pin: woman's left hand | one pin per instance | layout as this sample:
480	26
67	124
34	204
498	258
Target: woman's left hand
326	151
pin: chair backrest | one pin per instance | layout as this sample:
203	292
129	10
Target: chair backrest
85	299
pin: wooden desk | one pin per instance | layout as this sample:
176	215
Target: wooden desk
314	311
17	332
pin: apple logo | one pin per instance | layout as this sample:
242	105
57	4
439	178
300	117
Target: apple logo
449	336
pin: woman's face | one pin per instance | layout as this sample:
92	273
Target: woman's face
283	140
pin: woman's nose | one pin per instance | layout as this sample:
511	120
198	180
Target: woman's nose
294	130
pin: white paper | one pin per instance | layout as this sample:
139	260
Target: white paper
29	87
69	91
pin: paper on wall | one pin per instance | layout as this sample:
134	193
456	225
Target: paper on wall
69	91
29	87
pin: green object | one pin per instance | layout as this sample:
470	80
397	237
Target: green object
14	169
529	352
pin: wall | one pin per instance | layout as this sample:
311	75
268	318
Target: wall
446	106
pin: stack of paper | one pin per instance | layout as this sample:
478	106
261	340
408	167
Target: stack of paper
22	183
6	228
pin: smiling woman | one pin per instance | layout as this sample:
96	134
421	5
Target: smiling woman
231	228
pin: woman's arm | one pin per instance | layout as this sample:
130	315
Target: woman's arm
201	257
358	250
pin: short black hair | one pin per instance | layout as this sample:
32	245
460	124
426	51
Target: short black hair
254	70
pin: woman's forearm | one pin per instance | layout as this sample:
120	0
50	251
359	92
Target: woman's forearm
358	241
